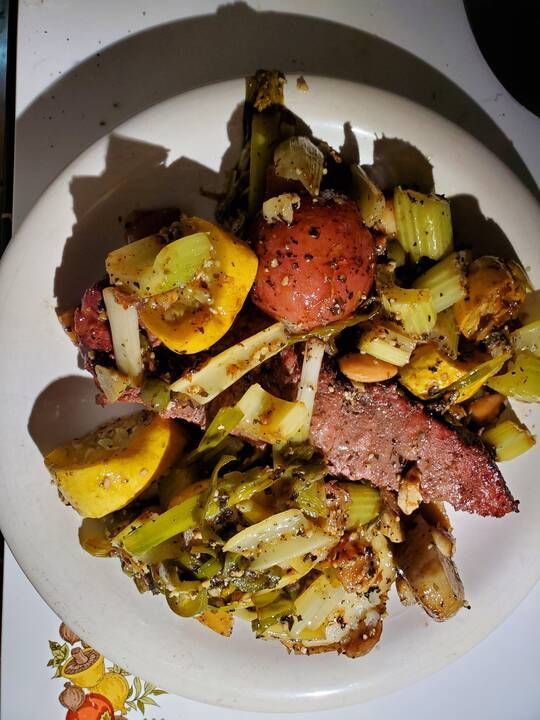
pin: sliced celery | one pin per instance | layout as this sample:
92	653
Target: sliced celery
527	337
446	280
222	370
369	197
268	418
424	225
365	504
446	333
297	158
413	308
178	519
509	439
178	263
387	343
522	381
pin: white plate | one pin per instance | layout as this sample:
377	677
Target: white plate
45	400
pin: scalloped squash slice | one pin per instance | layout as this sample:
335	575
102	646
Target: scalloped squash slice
106	469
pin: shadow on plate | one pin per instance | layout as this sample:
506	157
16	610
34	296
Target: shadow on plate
163	61
67	409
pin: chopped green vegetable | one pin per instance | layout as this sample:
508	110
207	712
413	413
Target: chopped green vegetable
311	497
124	322
508	439
212	506
365	504
446	333
272	613
112	382
178	263
386	342
252	482
155	395
178	519
368	196
413	308
264	135
189	604
446	280
469	384
252	540
527	337
424	225
395	253
130	266
298	159
309	379
522	381
225	421
269	418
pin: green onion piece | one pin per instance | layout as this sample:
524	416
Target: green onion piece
368	196
155	531
509	440
155	395
446	333
225	421
385	342
365	504
424	224
298	159
411	307
264	135
469	384
522	381
527	337
256	480
130	266
447	280
178	263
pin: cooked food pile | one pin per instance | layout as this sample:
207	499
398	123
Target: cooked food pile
318	371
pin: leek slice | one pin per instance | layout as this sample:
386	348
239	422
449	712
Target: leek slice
283	552
446	280
225	421
297	158
446	333
369	197
526	337
178	263
387	343
222	370
309	379
522	381
264	135
469	384
252	540
424	224
130	266
413	308
509	440
268	418
124	323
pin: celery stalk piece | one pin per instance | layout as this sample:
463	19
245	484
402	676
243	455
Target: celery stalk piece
124	323
178	519
297	158
446	333
411	307
178	263
222	370
509	440
527	337
268	418
309	379
446	280
522	381
424	224
387	343
264	135
365	504
368	196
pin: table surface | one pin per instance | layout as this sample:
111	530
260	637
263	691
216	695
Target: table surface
83	68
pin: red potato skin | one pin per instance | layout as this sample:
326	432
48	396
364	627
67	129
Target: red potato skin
316	270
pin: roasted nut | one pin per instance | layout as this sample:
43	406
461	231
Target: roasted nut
486	408
360	367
